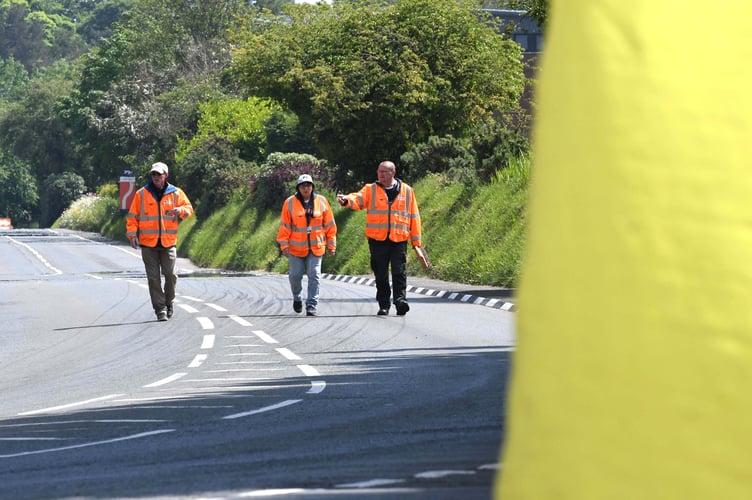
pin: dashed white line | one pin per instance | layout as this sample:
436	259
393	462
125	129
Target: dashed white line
198	361
317	386
288	354
309	371
188	308
208	342
216	307
205	323
265	337
239	320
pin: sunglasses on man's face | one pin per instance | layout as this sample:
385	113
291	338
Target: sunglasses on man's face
156	174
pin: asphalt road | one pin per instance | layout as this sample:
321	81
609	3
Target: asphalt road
237	396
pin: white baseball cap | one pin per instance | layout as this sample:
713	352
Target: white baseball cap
159	168
304	178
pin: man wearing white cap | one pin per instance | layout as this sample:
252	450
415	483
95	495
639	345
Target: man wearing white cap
306	230
152	225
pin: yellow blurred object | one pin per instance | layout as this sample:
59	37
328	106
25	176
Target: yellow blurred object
422	257
633	373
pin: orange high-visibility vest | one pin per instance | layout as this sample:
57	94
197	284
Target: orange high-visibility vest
397	222
147	220
301	235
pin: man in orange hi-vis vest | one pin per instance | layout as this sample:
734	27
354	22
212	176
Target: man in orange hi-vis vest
152	225
306	230
392	219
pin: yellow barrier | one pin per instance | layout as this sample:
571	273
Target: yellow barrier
633	374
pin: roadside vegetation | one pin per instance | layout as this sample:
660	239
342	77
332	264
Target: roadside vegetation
239	98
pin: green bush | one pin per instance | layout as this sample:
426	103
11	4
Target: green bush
88	213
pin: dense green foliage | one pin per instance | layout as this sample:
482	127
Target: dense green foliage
368	83
240	97
473	234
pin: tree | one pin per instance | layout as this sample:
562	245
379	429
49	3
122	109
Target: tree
58	192
537	9
370	82
18	190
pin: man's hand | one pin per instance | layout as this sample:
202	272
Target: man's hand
133	241
342	199
175	212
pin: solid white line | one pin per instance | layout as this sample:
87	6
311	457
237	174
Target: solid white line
86	445
70	405
287	353
239	320
208	342
262	410
171	378
205	323
92	276
198	361
436	474
308	371
265	337
371	483
37	255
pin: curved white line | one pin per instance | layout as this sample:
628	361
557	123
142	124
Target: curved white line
171	378
205	323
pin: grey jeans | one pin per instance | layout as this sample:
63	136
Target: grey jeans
159	261
311	267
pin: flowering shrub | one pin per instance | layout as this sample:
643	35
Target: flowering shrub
87	213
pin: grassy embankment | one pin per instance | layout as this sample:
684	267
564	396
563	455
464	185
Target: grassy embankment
473	235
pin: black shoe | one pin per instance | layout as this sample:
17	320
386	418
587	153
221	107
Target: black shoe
162	315
402	308
383	312
297	306
170	311
310	311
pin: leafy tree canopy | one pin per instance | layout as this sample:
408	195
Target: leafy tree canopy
370	79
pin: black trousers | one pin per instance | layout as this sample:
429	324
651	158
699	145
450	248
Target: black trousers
383	255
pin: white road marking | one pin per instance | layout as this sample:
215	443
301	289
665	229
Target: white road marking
171	378
437	474
93	276
86	445
70	405
205	323
194	299
262	410
265	337
188	308
208	342
317	386
198	361
239	320
216	307
288	354
37	255
309	371
371	483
